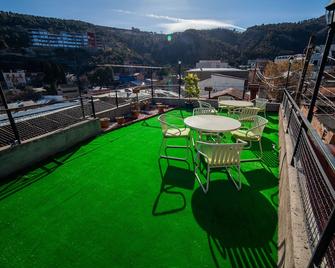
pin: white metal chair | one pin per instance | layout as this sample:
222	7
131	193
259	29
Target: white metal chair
203	104
245	114
261	103
206	111
219	156
252	134
221	106
173	131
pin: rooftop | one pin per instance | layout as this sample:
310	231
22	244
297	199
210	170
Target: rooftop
110	202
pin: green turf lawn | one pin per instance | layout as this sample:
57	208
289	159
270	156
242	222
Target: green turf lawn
106	204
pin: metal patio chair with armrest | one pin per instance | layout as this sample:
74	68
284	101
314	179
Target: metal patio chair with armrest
245	114
219	156
206	111
261	103
221	106
173	131
203	104
252	134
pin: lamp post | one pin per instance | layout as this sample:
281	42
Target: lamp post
330	19
179	78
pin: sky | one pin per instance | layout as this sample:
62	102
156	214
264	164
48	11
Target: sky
167	16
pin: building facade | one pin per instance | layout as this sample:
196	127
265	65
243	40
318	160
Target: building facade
43	38
211	64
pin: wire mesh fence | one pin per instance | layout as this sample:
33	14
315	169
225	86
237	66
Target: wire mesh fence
315	166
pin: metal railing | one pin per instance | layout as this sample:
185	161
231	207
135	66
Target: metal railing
316	170
32	121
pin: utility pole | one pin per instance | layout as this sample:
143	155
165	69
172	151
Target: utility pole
179	78
309	51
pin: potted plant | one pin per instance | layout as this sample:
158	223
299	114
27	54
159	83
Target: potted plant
192	88
120	120
104	122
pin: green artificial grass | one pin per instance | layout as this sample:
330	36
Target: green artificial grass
111	203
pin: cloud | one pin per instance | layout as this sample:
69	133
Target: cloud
179	24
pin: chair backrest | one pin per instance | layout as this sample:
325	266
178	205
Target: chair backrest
247	112
221	154
261	103
225	98
258	124
204	111
164	125
203	104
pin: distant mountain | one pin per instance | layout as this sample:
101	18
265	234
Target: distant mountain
135	46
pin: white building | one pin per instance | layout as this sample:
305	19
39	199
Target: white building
211	64
221	82
14	79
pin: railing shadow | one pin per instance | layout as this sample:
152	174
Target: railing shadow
27	177
240	225
173	177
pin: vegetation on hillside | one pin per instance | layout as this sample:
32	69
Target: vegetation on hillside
138	47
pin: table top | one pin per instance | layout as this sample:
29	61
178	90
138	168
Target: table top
212	123
236	103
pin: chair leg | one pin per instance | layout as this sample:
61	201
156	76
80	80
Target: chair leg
166	156
204	189
239	184
260	148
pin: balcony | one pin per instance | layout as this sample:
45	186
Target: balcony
110	202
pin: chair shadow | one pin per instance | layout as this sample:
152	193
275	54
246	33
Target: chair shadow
260	179
240	225
174	177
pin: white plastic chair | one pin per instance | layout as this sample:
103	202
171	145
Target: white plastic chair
173	131
219	156
221	106
261	103
253	133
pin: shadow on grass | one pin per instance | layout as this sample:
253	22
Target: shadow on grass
240	224
174	177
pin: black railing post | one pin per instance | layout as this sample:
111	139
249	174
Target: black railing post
82	106
297	144
93	108
116	100
9	115
324	241
308	55
179	78
320	74
151	84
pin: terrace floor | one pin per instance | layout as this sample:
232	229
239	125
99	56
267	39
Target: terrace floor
107	204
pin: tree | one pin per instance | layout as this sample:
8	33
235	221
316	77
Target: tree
102	77
191	85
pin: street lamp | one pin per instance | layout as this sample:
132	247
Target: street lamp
330	19
179	77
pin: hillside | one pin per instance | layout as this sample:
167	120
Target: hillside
134	46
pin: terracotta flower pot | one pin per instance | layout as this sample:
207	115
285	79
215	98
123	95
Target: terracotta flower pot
135	114
160	108
104	122
120	120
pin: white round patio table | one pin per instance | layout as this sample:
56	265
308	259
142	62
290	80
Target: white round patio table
236	103
212	123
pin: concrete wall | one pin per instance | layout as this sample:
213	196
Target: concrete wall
293	248
30	152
